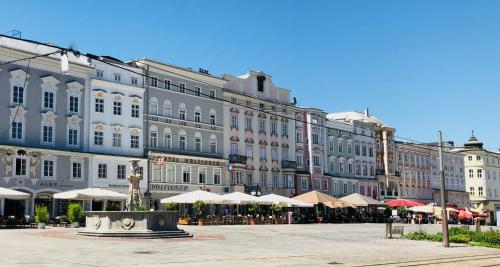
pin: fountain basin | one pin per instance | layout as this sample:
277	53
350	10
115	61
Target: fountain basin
132	224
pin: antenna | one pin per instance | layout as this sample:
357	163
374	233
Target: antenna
14	33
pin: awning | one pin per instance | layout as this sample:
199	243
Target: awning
6	193
193	196
91	194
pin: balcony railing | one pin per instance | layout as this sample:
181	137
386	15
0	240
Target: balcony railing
192	124
238	159
288	164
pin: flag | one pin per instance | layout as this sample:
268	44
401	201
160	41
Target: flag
229	167
160	160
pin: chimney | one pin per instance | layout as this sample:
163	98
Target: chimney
367	114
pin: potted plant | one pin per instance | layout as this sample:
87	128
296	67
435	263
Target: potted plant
171	206
276	209
199	206
41	216
253	208
184	219
75	214
319	217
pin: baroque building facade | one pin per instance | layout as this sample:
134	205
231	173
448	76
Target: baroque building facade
258	135
183	126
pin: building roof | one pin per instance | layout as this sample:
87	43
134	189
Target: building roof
356	116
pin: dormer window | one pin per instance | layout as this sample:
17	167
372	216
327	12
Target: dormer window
260	83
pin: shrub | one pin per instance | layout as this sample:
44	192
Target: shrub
41	214
185	217
253	208
75	213
199	206
416	236
458	231
171	206
112	206
276	209
460	238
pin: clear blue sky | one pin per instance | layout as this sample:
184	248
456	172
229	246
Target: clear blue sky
420	66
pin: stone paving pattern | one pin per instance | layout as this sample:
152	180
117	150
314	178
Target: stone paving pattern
260	245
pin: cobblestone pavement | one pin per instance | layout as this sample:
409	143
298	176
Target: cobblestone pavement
260	245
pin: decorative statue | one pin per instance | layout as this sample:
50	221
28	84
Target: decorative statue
134	199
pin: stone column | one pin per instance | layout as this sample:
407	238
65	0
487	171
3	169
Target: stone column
54	207
122	205
105	202
32	206
26	206
2	206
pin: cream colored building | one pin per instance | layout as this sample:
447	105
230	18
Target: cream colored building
482	171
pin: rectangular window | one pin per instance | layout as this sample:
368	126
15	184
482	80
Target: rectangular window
217	176
73	104
249	180
48	100
284	129
182	142
73	137
275	181
98	138
153	81
262	126
170	174
315	138
99	73
167	84
202	175
197	116
274	154
234	149
99	105
316	161
182	87
249	151
248	124
48	134
133	80
48	168
480	191
18	95
263	179
212	94
186	175
370	152
197	144
121	172
363	151
479	173
197	91
117	139
299	160
213	146
263	152
134	141
76	170
234	122
274	127
284	154
102	171
135	111
304	184
16	130
325	185
118	77
212	119
20	167
153	139
117	108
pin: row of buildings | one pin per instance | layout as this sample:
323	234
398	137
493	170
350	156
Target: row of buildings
80	126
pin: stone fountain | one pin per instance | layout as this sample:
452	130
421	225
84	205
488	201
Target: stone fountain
133	223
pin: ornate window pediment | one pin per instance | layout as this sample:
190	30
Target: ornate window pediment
134	130
234	110
73	121
135	99
99	126
285	145
18	74
275	144
263	142
75	85
49	116
99	92
234	139
49	80
18	113
249	141
262	115
248	113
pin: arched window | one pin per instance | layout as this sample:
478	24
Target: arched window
197	142
197	114
213	144
153	136
182	140
332	164
167	109
182	111
213	117
167	138
153	106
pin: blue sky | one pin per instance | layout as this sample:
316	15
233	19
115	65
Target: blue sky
421	66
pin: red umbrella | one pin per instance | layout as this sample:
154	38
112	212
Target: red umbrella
403	203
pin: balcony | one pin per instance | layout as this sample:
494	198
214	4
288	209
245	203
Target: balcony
288	164
397	173
238	159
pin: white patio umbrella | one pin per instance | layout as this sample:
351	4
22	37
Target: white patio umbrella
285	201
12	194
426	209
193	196
91	194
239	198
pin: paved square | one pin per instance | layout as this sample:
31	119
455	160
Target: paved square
260	245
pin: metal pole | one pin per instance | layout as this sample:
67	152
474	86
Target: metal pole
446	241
